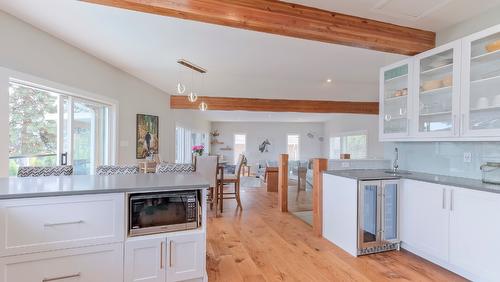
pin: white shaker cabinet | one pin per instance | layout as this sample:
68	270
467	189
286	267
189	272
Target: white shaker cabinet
145	259
165	257
425	219
474	233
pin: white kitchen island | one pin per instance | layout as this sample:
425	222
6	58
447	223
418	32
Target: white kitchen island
74	228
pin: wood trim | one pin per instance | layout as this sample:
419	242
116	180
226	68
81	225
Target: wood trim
290	19
283	183
319	166
275	105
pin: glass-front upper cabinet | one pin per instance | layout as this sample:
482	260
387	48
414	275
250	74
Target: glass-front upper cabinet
481	84
395	99
437	103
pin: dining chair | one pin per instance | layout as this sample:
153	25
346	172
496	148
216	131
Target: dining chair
117	169
206	167
225	179
37	171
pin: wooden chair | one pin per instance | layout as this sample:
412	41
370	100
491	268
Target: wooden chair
225	179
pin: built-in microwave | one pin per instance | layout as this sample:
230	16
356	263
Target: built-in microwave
158	212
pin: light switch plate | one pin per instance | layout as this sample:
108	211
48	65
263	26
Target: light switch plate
467	157
345	164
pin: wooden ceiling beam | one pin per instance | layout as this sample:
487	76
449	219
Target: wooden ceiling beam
289	19
275	105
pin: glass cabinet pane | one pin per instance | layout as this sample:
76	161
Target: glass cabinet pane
436	93
396	82
390	216
369	213
484	98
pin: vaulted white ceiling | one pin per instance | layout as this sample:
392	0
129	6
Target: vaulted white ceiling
434	15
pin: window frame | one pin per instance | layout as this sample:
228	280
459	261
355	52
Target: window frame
7	76
235	155
298	146
344	135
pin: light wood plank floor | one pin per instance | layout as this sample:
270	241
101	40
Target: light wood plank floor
262	244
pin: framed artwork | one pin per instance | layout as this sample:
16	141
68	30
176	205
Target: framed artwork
147	141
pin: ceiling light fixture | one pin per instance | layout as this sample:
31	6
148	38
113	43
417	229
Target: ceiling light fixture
203	106
192	97
328	80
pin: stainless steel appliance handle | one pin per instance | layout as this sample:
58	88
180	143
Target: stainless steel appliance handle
444	199
61	277
63	223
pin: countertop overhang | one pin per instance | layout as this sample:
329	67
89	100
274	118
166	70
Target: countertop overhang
380	174
30	187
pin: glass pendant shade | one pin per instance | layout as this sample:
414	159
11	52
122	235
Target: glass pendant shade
192	97
203	106
181	88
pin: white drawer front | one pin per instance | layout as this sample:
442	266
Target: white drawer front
89	264
42	224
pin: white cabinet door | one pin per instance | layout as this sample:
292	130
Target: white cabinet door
186	256
145	259
480	84
425	219
475	233
437	92
88	264
395	97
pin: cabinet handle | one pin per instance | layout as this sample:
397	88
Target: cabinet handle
170	264
61	277
161	255
451	200
63	223
462	123
454	125
444	198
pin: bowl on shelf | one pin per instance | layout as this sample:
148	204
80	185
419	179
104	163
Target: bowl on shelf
431	85
447	81
496	101
482	103
493	46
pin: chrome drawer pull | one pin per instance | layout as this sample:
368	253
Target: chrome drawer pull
61	277
63	223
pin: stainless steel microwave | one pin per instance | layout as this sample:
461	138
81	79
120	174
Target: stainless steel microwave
158	212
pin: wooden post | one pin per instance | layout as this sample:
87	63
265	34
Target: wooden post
319	166
283	183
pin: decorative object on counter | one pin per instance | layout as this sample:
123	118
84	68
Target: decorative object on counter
493	46
198	150
264	147
37	171
117	169
147	141
491	172
345	156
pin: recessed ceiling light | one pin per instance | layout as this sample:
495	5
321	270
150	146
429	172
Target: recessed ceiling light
328	80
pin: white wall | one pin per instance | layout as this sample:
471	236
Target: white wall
343	123
29	50
276	132
472	25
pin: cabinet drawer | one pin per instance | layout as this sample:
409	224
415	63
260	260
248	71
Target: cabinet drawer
42	224
89	264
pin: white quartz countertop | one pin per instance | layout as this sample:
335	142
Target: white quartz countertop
29	187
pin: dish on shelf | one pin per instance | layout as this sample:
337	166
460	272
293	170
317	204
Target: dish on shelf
482	102
432	84
496	101
493	46
440	63
447	81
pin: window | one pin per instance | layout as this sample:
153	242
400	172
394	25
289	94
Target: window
240	141
185	139
354	143
48	128
293	147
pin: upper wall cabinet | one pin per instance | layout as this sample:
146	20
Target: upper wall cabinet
481	83
437	102
450	93
395	99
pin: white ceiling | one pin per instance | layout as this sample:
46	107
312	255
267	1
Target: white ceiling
434	15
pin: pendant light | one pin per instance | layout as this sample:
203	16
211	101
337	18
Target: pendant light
181	88
203	106
192	97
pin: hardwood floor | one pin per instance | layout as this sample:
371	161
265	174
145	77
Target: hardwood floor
262	244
